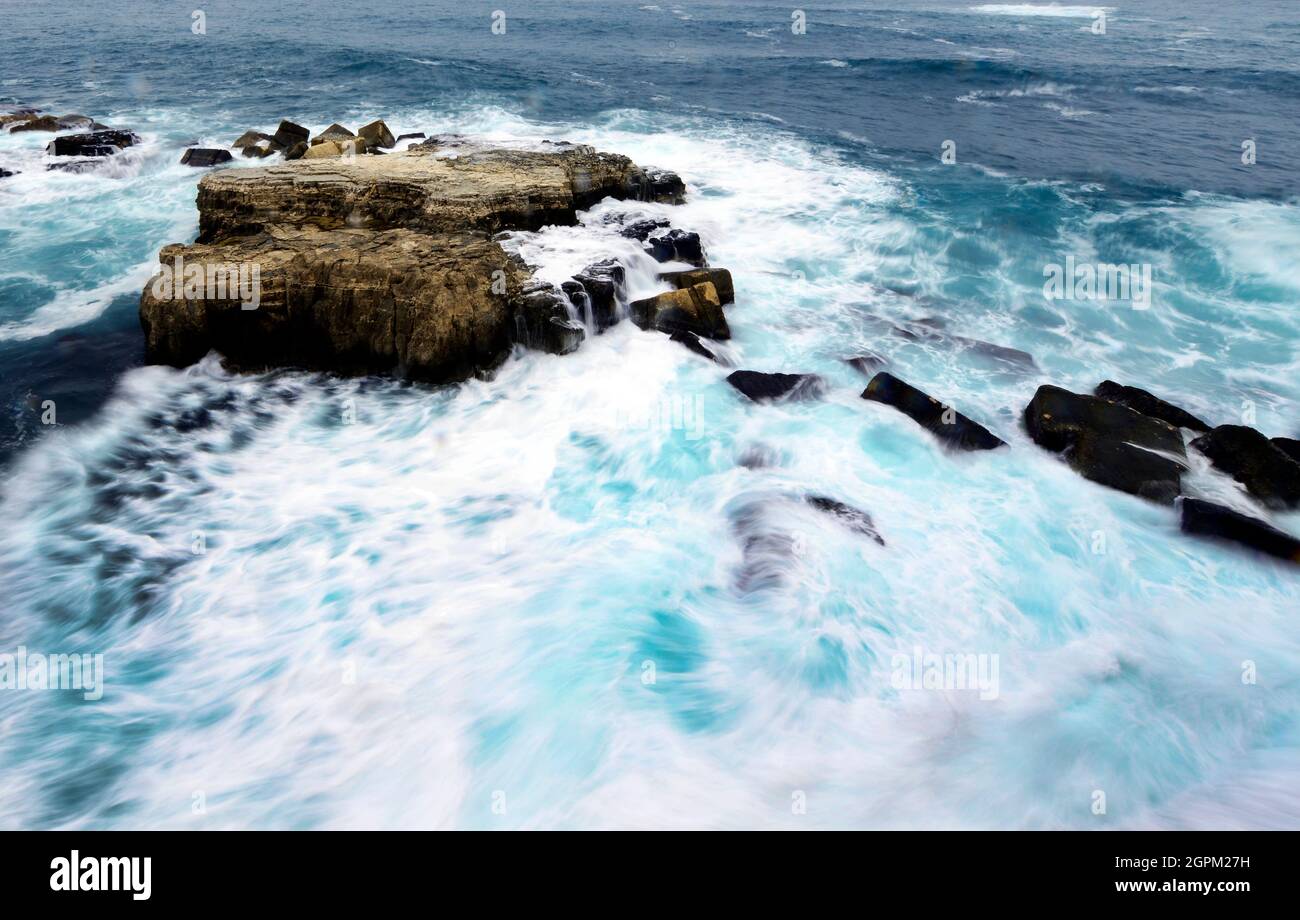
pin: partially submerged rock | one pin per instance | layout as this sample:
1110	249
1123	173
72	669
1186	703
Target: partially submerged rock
678	246
1149	404
855	519
542	321
694	309
1267	471
93	144
868	363
205	156
376	134
1288	446
289	134
764	387
1210	520
720	278
1109	443
944	422
692	341
37	123
601	285
6	173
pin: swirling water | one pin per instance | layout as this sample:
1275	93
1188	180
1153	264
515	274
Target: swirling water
586	591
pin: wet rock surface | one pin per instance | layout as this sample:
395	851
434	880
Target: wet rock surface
1207	519
944	422
1267	471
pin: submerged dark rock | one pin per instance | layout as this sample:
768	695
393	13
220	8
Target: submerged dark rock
1210	520
855	519
1149	404
204	156
760	386
692	341
1108	443
94	144
944	422
930	330
720	278
6	173
1267	471
868	363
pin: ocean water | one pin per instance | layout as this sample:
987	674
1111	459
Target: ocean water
586	591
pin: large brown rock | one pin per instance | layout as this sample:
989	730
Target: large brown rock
376	264
431	306
694	309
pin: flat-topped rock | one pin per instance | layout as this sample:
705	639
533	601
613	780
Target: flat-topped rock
480	188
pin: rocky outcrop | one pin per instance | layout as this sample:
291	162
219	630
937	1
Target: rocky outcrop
484	189
1109	443
720	278
678	246
205	156
1150	405
1288	446
1210	520
694	309
1267	471
375	264
764	387
944	422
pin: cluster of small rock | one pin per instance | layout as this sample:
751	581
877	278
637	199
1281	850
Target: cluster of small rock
294	142
85	148
1119	436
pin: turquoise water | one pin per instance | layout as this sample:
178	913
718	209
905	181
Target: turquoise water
442	613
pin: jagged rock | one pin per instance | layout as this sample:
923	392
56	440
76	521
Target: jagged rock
1288	446
720	278
94	144
482	189
1149	404
692	341
640	230
855	519
602	284
290	134
353	301
1109	443
1210	520
694	309
542	321
868	363
944	422
1266	470
204	156
255	138
297	151
329	149
376	134
418	135
760	386
678	246
335	132
38	123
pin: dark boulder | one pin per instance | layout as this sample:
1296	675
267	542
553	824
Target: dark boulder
205	156
720	277
252	138
1056	417
1149	404
678	246
694	309
6	173
944	422
1266	470
289	135
692	341
603	283
542	321
1210	520
414	135
1108	443
855	519
1288	446
94	144
665	186
760	386
376	134
297	151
